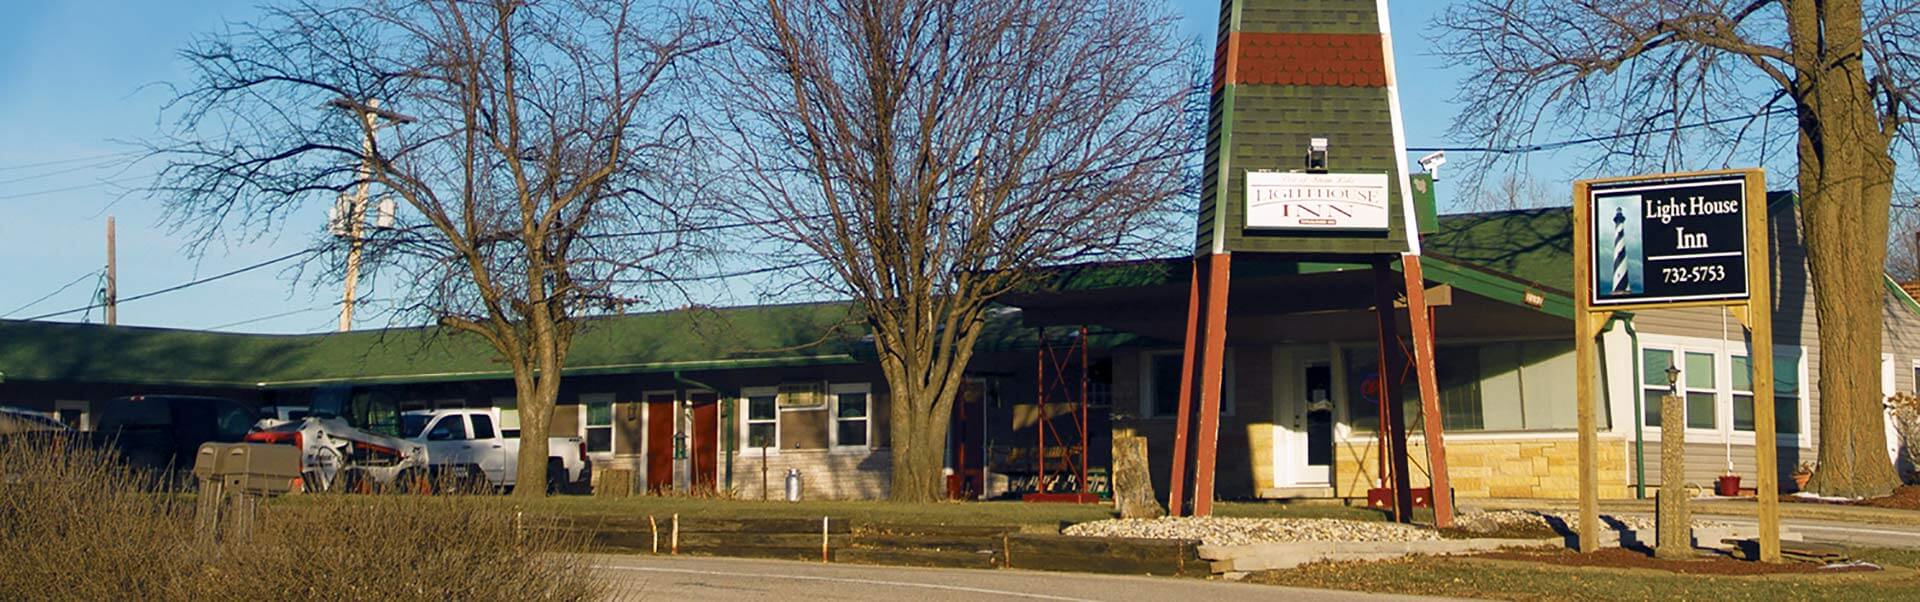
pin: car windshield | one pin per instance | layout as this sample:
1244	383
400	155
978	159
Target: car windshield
412	425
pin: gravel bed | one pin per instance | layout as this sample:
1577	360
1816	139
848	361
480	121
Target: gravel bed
1488	522
1220	531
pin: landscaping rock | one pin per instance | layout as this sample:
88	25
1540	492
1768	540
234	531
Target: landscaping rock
1219	531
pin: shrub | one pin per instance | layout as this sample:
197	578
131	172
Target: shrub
77	524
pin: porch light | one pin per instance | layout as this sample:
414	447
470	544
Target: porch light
1673	378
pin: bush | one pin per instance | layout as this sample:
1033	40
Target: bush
77	524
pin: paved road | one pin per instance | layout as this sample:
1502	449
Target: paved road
1840	532
685	578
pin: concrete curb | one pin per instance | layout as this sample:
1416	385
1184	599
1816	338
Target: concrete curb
1271	556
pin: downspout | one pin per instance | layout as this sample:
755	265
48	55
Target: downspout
1639	400
728	431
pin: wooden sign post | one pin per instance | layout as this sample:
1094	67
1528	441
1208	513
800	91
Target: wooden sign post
1670	241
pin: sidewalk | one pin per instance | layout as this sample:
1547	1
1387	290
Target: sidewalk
1716	507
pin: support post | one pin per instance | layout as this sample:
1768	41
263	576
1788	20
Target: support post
111	297
1190	355
1673	527
1213	363
1393	365
1759	322
1586	368
1441	490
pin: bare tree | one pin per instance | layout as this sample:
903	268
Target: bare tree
1837	75
1513	190
934	153
532	145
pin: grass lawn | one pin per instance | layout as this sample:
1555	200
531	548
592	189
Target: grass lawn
880	512
1516	580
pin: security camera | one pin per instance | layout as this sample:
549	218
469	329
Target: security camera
1432	163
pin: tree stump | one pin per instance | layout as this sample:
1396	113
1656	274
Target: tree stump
1132	482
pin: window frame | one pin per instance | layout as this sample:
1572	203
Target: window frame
1227	402
1716	390
586	415
746	421
1785	357
834	391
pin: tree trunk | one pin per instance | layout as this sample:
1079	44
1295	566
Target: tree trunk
536	396
922	412
1846	178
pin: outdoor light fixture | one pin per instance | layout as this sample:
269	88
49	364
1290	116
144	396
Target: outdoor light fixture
1673	378
1317	155
1432	163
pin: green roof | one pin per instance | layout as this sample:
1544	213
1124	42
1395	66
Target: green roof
688	339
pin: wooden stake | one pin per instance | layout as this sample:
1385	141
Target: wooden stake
674	544
823	539
655	526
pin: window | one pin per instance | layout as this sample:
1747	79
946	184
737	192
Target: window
482	426
74	414
1162	385
449	428
509	410
599	422
1653	382
762	417
1702	395
851	406
1786	394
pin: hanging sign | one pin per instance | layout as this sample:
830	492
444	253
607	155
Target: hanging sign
1316	201
1668	240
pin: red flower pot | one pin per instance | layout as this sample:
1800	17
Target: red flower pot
1729	486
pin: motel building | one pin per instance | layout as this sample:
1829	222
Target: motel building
713	399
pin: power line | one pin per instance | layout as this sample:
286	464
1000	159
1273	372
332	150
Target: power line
265	318
1530	148
66	161
118	181
49	174
62	289
184	285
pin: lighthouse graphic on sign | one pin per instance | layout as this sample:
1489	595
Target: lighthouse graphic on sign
1618	234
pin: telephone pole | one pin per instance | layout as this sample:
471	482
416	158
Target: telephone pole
356	215
113	288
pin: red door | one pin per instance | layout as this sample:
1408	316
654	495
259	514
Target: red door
659	443
705	440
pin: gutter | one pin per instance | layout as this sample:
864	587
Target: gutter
1625	320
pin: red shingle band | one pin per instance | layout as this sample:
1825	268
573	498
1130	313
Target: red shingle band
1301	59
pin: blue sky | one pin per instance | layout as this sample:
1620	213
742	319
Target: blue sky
78	79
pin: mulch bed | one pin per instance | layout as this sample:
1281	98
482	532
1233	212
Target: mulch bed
1629	559
1904	498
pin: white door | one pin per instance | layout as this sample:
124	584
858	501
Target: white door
1304	419
490	450
447	441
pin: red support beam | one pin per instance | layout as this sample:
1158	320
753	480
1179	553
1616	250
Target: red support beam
1176	502
1212	364
1441	491
1385	289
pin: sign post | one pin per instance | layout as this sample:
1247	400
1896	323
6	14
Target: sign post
1670	241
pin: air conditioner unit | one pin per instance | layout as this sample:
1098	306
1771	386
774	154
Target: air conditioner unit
811	395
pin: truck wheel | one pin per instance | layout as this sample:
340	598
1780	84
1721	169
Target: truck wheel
414	481
556	476
353	480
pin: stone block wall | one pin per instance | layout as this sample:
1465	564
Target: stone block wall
824	475
1516	468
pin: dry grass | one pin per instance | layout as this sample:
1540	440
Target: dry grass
75	524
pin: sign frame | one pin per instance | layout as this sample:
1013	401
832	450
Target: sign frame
1587	195
1754	311
1379	218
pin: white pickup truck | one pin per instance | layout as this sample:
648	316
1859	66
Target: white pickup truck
467	443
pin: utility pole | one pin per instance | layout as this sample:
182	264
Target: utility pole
113	288
356	215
